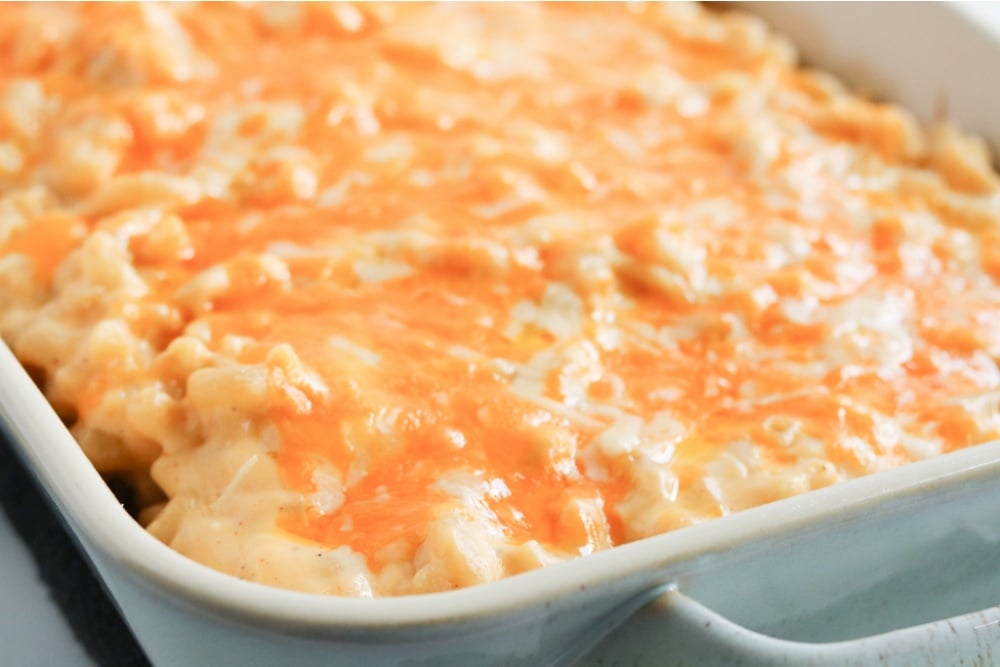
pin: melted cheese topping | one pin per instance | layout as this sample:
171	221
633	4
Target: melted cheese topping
377	299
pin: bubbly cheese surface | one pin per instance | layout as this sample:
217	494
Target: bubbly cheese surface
390	299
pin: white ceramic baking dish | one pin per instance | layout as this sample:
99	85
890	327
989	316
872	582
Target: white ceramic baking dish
838	570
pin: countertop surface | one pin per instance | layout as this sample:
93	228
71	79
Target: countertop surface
53	611
32	631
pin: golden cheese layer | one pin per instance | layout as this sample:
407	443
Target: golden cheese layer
375	300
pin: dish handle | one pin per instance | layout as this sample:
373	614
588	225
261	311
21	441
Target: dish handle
674	629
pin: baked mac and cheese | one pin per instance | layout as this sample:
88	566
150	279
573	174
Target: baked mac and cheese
389	299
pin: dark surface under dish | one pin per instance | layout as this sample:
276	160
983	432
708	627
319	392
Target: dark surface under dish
72	585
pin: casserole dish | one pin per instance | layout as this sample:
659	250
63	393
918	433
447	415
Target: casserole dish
186	614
